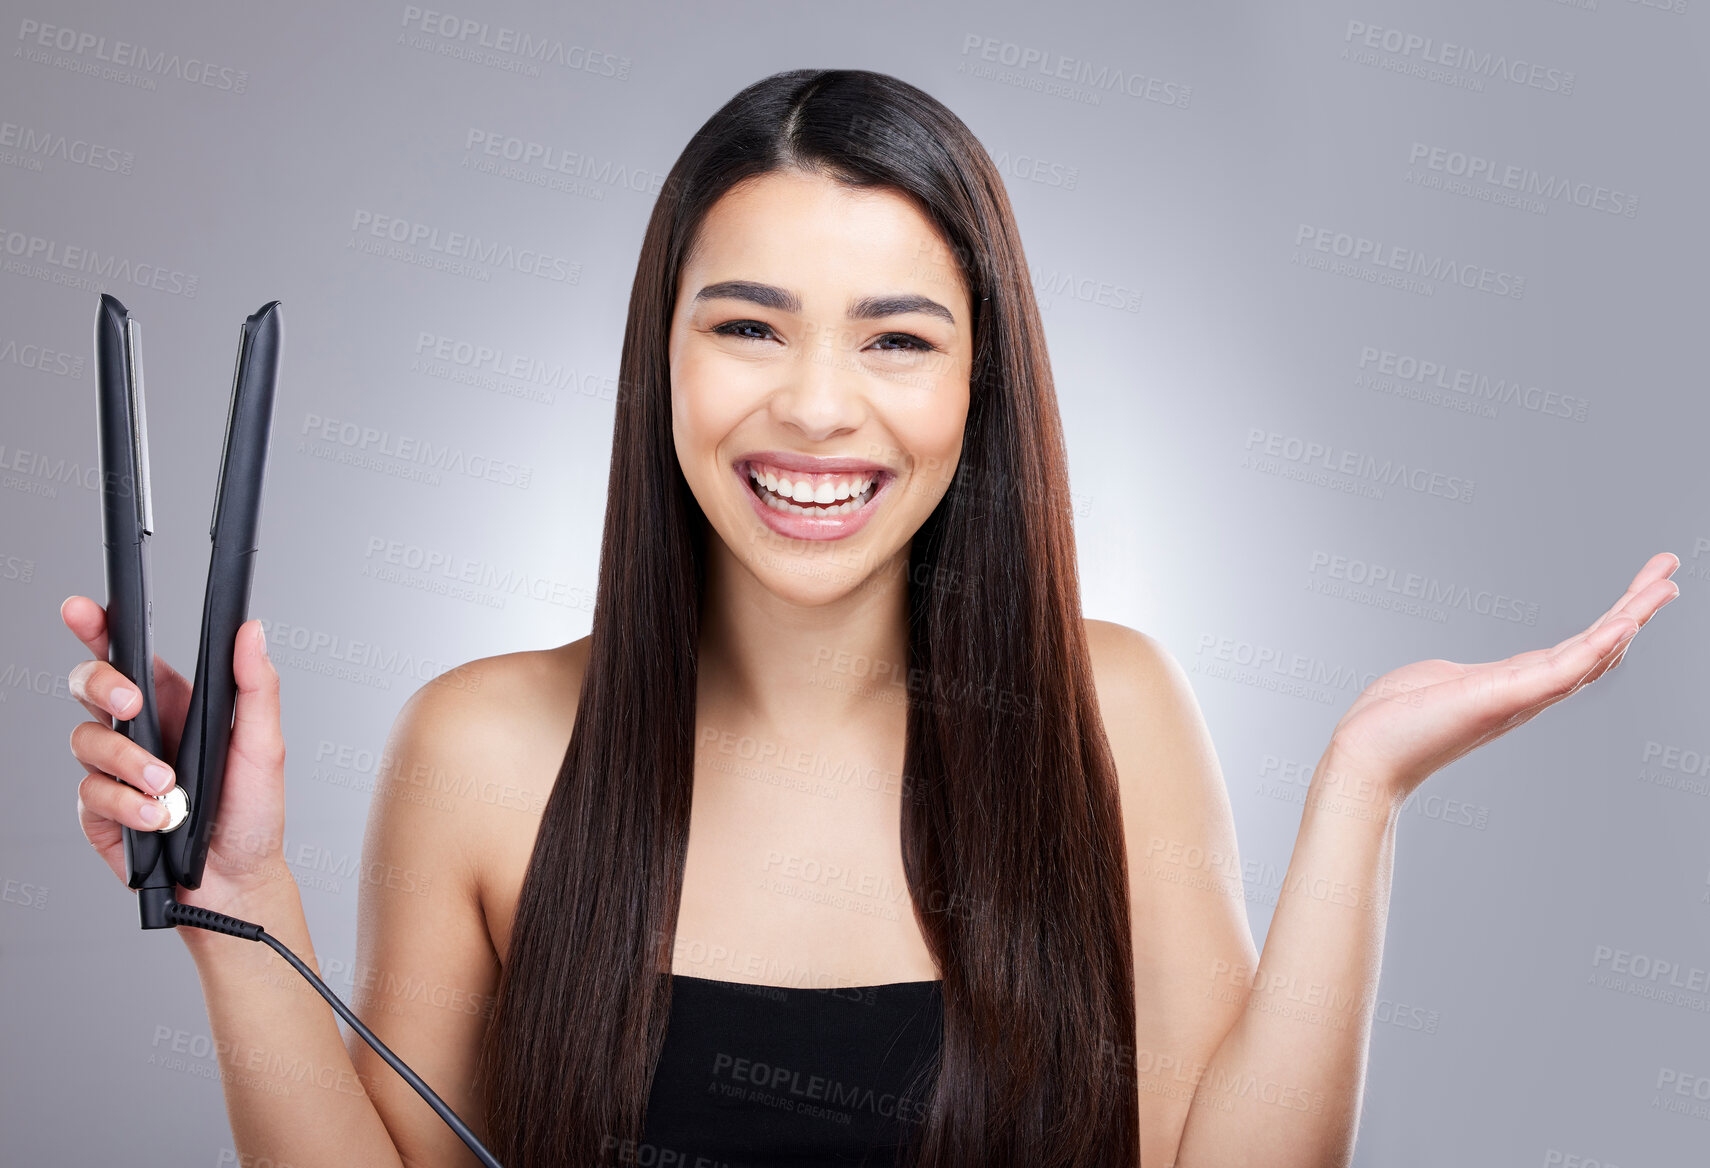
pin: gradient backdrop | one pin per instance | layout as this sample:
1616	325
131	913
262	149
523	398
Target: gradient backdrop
1378	333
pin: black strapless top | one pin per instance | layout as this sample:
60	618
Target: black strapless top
759	1076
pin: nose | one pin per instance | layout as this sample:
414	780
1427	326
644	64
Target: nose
824	394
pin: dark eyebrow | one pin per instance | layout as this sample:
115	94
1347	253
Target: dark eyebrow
867	308
877	306
762	294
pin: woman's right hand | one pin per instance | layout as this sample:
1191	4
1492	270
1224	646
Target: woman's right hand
244	857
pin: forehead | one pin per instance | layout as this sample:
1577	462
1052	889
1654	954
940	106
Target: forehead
817	236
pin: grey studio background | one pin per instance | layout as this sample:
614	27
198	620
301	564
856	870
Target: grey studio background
1377	330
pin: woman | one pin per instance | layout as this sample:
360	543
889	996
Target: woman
837	631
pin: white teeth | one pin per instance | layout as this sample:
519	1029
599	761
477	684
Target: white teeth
779	490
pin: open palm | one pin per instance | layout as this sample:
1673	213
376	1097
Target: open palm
1416	720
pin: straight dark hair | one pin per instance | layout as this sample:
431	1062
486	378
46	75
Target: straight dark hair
1011	826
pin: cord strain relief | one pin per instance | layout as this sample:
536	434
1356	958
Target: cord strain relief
203	918
154	904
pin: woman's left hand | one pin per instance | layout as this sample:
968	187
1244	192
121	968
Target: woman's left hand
1413	721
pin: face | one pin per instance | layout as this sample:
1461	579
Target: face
818	350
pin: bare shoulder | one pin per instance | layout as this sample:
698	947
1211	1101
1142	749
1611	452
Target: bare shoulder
475	751
1127	662
472	721
1150	713
478	696
495	707
1166	761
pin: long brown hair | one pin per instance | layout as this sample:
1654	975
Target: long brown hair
1011	829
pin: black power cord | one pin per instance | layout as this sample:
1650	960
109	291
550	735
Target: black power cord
159	910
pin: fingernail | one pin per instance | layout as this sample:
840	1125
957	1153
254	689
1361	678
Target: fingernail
150	813
261	639
120	699
156	777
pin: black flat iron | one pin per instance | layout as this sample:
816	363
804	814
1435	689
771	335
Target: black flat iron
158	862
175	854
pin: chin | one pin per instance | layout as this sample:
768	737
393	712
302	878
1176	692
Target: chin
810	574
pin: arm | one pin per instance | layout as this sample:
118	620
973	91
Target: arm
299	1093
1276	1057
1238	1059
1326	940
1284	1084
291	1092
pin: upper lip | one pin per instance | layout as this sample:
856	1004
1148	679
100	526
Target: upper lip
809	464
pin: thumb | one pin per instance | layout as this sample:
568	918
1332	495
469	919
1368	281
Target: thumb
255	718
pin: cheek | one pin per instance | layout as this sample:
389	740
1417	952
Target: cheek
934	435
706	404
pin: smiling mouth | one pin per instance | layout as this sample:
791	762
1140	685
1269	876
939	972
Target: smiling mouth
841	496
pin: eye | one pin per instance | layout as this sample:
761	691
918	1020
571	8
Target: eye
912	343
730	329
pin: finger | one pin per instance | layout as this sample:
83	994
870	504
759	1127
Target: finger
101	748
1602	665
104	691
255	717
103	835
76	680
1621	646
1603	645
1616	659
1646	603
105	797
1541	678
1639	603
1606	643
87	622
1637	607
1659	567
